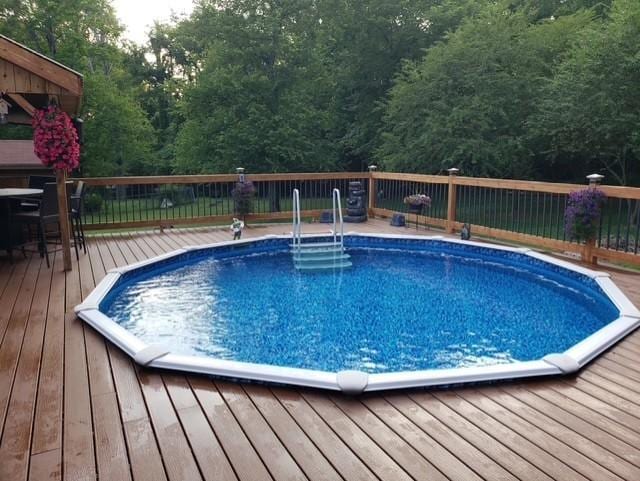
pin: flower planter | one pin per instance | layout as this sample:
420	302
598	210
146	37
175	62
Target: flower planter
415	208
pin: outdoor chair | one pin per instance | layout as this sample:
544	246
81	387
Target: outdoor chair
35	182
45	216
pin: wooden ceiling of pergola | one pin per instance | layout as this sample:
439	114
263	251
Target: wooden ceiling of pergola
29	80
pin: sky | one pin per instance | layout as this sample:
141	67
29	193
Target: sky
138	15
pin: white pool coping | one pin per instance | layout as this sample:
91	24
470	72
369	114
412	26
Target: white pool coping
355	382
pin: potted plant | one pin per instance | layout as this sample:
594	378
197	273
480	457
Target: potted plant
417	202
582	215
243	194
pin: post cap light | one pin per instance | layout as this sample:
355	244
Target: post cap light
453	171
595	178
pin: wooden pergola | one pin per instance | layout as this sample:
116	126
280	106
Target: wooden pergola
30	81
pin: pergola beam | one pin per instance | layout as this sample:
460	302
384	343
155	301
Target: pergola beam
22	102
40	65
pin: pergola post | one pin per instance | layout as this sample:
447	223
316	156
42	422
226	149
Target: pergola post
63	215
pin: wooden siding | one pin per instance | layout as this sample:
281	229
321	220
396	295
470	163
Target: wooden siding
74	407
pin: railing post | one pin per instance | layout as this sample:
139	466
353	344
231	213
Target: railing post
240	172
451	200
590	244
372	189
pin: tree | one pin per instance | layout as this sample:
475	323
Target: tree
119	137
84	34
467	102
590	113
262	99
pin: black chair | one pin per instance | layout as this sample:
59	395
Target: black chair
35	182
46	215
77	211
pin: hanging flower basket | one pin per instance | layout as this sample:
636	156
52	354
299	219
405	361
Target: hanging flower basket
55	140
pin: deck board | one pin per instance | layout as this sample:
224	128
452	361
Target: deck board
74	407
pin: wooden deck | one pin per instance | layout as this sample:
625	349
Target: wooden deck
73	407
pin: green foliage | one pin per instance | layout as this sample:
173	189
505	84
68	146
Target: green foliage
467	102
262	100
590	109
118	136
506	88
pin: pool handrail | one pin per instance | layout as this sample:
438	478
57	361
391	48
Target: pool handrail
297	223
337	213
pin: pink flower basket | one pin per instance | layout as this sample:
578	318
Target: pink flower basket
55	139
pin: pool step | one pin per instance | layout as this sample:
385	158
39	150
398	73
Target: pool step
319	267
320	256
316	245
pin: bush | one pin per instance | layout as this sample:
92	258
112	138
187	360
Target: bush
93	203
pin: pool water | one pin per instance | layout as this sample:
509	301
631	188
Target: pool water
392	311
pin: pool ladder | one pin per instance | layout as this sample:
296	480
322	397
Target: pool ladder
312	256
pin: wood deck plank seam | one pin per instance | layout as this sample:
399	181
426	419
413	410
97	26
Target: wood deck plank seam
19	362
604	406
614	365
460	442
282	442
614	389
40	364
207	381
53	302
245	425
194	406
85	377
386	466
591	420
625	384
244	431
340	405
564	420
18	287
295	422
525	427
184	430
443	454
463	434
495	423
543	424
318	445
20	331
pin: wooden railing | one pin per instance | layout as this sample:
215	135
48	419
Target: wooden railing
516	211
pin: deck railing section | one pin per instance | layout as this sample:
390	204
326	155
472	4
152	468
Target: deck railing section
125	202
516	211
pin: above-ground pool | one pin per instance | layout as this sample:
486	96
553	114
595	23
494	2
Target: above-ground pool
411	311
